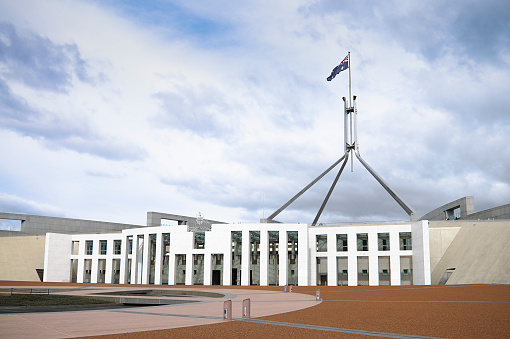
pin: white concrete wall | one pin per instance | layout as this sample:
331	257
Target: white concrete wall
352	253
218	241
57	258
421	253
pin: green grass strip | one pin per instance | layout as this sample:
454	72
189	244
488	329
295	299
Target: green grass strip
48	300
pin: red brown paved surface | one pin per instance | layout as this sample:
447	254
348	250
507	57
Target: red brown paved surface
463	311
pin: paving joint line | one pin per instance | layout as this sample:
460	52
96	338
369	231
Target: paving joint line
336	329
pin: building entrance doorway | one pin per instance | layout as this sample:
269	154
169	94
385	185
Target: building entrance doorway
234	276
324	279
216	277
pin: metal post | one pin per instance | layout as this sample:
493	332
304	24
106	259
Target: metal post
350	66
246	309
346	130
291	286
305	189
285	289
330	191
227	310
318	295
356	145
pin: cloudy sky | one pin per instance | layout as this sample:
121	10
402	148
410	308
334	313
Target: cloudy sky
110	108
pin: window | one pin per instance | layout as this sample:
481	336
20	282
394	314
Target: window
75	247
102	247
199	242
117	246
130	244
385	272
405	271
88	247
344	272
322	242
363	242
383	240
405	241
365	272
341	242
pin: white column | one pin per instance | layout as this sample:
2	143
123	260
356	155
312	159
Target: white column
373	259
283	267
352	261
81	267
145	265
159	259
81	261
245	259
189	269
394	259
109	261
227	261
303	258
331	253
123	259
395	270
207	268
352	269
264	257
94	268
134	259
171	267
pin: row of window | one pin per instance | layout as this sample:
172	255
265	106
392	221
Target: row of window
103	247
383	242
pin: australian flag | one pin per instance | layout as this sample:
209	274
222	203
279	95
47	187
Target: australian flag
343	66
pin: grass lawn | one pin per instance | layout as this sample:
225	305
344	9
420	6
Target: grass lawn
48	300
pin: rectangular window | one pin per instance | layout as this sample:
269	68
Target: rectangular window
75	247
117	246
406	270
405	241
341	242
88	247
130	244
363	271
384	270
383	240
165	252
362	241
321	242
342	269
199	242
10	225
102	247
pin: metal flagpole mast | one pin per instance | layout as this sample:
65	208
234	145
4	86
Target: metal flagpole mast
350	66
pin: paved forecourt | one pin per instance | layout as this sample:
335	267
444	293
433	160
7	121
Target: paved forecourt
207	310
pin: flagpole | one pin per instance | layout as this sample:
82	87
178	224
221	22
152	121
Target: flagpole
350	66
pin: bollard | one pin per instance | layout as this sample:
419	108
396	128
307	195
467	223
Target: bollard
285	289
291	286
318	295
227	310
246	308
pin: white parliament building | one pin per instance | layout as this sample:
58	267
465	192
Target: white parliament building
244	254
452	244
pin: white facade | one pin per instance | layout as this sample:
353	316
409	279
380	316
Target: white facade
244	254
